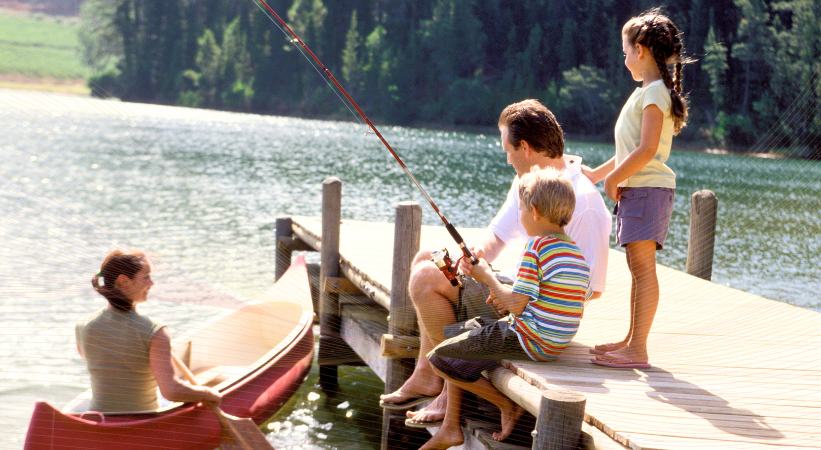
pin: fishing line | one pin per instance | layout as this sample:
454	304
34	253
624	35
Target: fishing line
349	103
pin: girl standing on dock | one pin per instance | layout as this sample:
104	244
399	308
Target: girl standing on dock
637	177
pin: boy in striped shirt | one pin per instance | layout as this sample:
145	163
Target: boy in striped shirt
544	307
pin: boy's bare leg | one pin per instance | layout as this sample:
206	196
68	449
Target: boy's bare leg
432	296
510	412
450	433
641	259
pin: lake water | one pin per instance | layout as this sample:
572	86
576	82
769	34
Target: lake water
201	190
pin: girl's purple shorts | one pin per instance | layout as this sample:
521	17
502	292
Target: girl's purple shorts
643	214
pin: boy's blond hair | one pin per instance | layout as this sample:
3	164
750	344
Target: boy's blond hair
549	193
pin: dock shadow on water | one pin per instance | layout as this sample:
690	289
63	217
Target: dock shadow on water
346	418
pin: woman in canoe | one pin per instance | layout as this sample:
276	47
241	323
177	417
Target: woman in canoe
129	355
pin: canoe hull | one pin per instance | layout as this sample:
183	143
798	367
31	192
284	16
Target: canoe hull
187	427
260	396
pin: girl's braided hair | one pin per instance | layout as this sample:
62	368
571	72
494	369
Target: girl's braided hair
659	34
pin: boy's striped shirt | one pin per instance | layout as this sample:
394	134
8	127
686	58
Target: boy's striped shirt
554	274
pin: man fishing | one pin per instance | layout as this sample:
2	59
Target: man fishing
530	136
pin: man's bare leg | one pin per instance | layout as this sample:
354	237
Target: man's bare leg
433	299
450	434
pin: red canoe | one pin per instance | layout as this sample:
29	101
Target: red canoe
256	356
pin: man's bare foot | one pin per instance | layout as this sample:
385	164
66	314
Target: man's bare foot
414	391
434	412
605	348
510	416
445	438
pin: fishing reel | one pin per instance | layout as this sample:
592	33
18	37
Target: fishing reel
441	258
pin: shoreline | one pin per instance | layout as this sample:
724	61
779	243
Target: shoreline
45	84
78	87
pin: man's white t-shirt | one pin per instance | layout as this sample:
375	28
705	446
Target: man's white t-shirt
590	225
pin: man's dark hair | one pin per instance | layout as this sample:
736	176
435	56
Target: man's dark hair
531	121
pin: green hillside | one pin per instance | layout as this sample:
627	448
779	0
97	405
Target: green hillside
40	47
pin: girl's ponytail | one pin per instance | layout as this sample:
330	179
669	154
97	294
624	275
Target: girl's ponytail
679	107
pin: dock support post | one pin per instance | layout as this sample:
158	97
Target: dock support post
559	425
401	319
284	233
329	320
703	209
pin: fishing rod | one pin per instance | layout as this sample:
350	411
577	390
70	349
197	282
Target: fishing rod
440	258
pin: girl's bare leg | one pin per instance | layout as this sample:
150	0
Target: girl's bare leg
604	348
641	259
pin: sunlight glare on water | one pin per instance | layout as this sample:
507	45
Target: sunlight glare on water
200	190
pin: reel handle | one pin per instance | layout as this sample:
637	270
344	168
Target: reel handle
441	258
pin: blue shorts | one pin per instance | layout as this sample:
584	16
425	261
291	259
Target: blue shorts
643	214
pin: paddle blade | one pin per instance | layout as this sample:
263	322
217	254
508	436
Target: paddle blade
242	434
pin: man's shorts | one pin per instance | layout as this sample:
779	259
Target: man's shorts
473	300
643	214
487	342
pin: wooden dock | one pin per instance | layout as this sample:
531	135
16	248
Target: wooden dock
730	369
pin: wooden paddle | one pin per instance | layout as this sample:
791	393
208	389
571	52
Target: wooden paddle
237	432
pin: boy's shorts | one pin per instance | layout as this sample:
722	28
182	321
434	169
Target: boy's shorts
643	214
487	342
473	300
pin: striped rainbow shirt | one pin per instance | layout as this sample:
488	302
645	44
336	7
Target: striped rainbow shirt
554	274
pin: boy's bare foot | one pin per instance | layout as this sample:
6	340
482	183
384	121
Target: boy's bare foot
434	412
415	390
510	416
606	348
445	438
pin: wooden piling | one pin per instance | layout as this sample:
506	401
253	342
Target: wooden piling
329	320
402	316
703	210
284	235
559	425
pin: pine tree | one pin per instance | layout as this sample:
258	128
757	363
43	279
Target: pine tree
208	62
715	66
351	64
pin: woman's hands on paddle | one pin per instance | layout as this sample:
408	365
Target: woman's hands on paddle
211	396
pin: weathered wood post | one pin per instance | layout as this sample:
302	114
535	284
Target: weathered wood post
284	236
703	210
559	425
329	320
402	316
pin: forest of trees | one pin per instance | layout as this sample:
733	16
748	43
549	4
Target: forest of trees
755	85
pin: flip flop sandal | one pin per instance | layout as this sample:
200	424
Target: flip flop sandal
407	404
413	423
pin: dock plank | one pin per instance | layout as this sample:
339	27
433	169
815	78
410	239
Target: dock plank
730	369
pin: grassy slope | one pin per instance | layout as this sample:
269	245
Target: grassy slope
39	47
